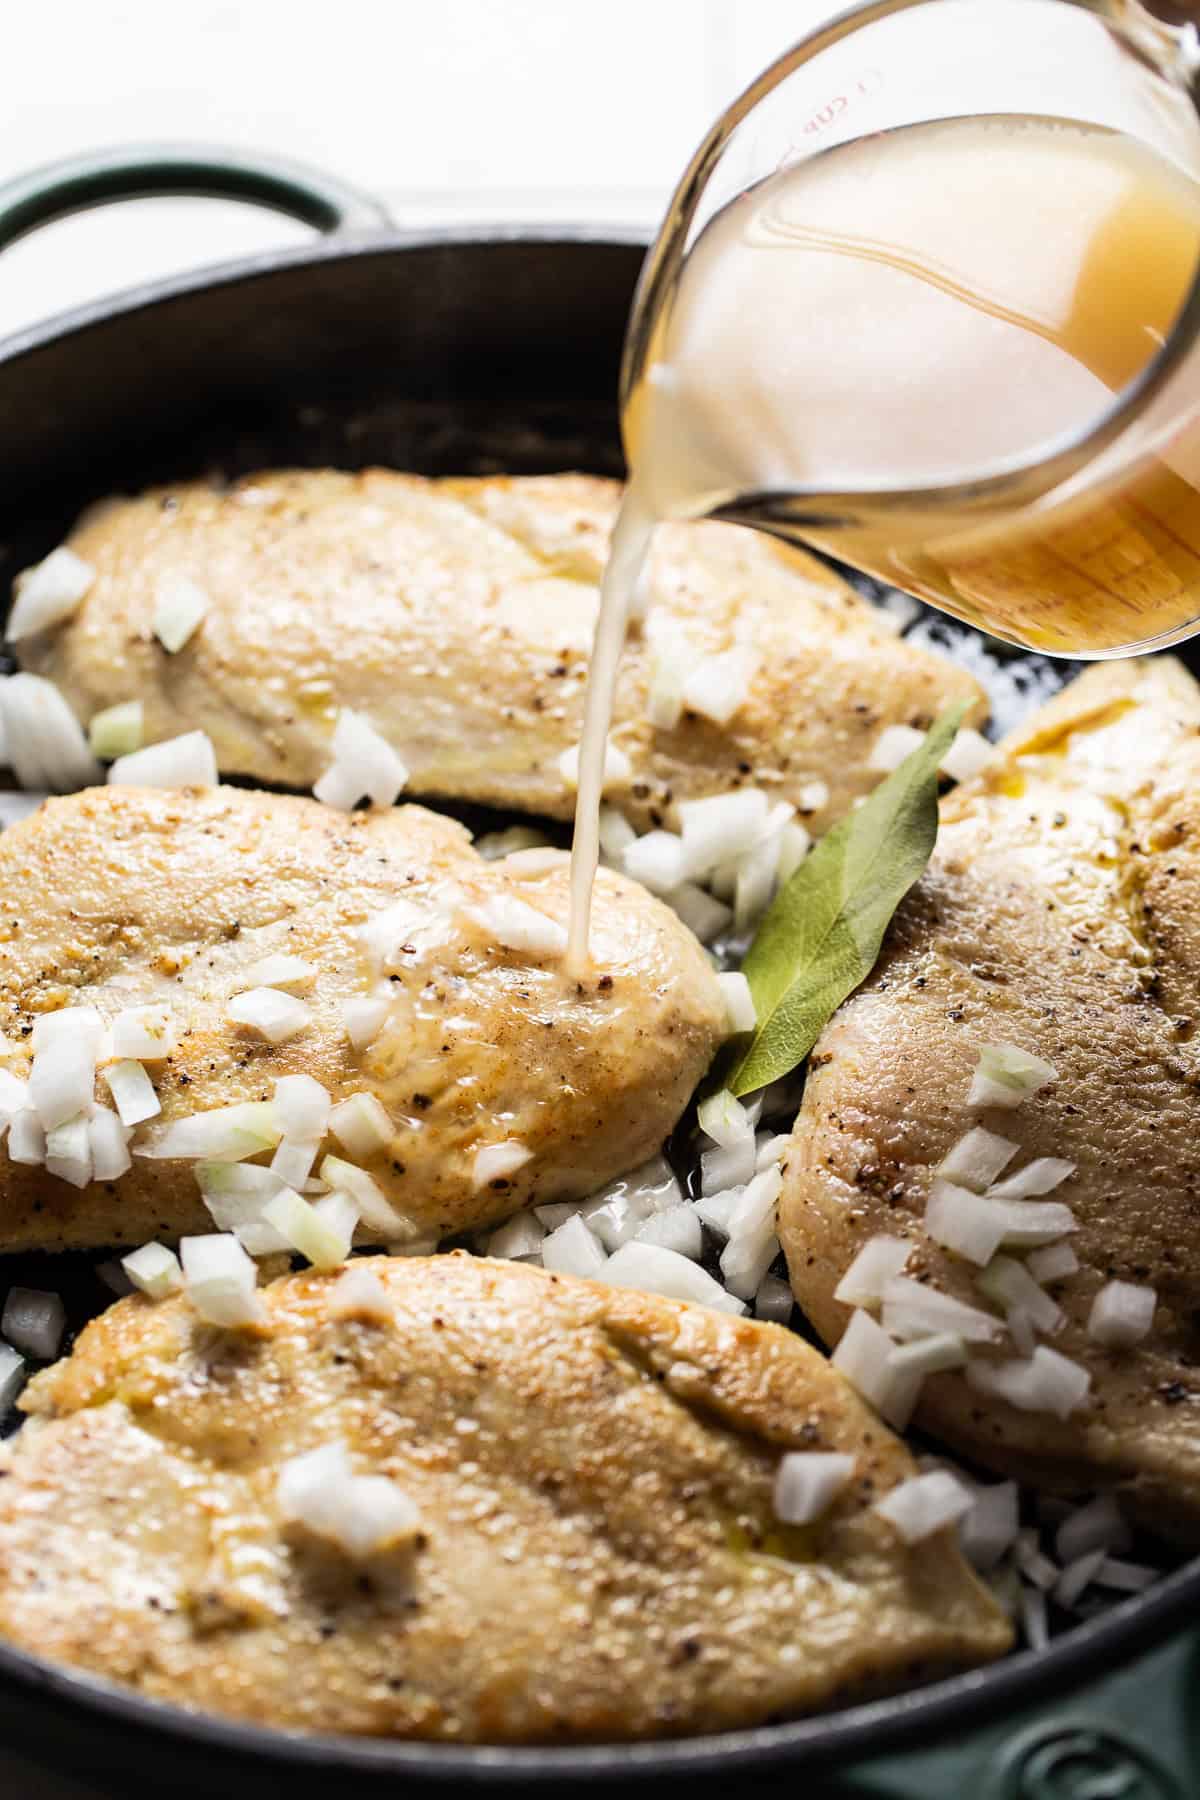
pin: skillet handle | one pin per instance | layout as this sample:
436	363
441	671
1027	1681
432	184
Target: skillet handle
1131	1735
143	171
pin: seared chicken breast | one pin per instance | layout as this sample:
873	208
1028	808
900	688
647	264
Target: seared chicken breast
458	616
1060	914
593	1552
119	897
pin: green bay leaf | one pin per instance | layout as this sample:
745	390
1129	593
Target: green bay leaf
822	933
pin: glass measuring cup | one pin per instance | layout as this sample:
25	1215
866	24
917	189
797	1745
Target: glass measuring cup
1083	543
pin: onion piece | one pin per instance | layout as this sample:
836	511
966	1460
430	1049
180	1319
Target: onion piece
925	1504
1033	1617
143	1034
807	1482
26	1139
496	1162
1034	1565
770	1148
224	1134
704	917
1044	1382
968	754
358	1293
1077	1575
14	1096
1008	1283
976	1159
396	930
48	593
724	1119
616	833
659	1271
12	1376
520	1240
1041	1176
375	1209
656	860
718	687
69	1151
515	925
108	1141
991	1526
1122	1314
721	828
892	746
293	1161
276	1016
677	1229
493	846
732	1167
301	1107
573	1250
774	1300
132	1092
913	1310
880	1259
618	770
1126	1577
62	1080
363	1515
794	845
117	730
1096	1526
716	1210
34	1322
964	1222
237	1195
862	1357
324	1238
179	608
178	762
364	766
929	1355
279	970
46	745
220	1280
1031	1223
1007	1075
1052	1263
155	1270
363	1019
754	885
361	1125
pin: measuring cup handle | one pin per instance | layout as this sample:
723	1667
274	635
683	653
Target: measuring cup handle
144	171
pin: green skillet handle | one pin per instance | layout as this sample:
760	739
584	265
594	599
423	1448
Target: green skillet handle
1131	1735
144	171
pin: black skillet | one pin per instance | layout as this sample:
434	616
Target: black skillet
446	351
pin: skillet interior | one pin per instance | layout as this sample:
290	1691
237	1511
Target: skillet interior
444	354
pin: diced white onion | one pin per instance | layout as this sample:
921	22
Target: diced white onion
237	1195
894	743
617	767
301	1106
716	1210
615	1213
721	828
362	1514
991	1526
704	916
967	1223
659	1271
33	1322
770	1147
1096	1526
977	1159
794	845
925	1504
358	1293
364	765
1077	1575
616	833
656	860
12	1376
179	762
752	1245
154	1269
1009	1284
14	1096
774	1300
48	593
515	925
1030	1223
132	1091
719	686
1034	1565
1044	1382
807	1482
678	1229
754	885
398	926
281	971
361	1125
117	730
108	1141
364	1019
1021	1331
862	1356
929	1355
1122	1314
520	1240
496	1162
968	754
46	745
220	1280
276	1016
143	1033
179	607
69	1151
1007	1075
293	1161
375	1209
324	1237
521	846
62	1080
224	1134
813	797
1041	1176
724	1119
729	1167
1033	1617
911	1309
1052	1263
26	1139
1125	1577
573	1250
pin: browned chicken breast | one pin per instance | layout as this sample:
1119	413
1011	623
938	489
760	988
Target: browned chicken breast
591	1550
119	898
1060	914
458	616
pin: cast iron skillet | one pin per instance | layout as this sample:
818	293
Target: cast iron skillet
448	351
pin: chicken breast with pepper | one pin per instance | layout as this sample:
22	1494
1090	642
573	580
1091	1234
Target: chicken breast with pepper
581	1543
1061	916
457	615
476	1035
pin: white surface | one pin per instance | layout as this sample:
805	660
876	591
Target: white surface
521	109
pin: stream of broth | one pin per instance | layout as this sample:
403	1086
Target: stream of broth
899	316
